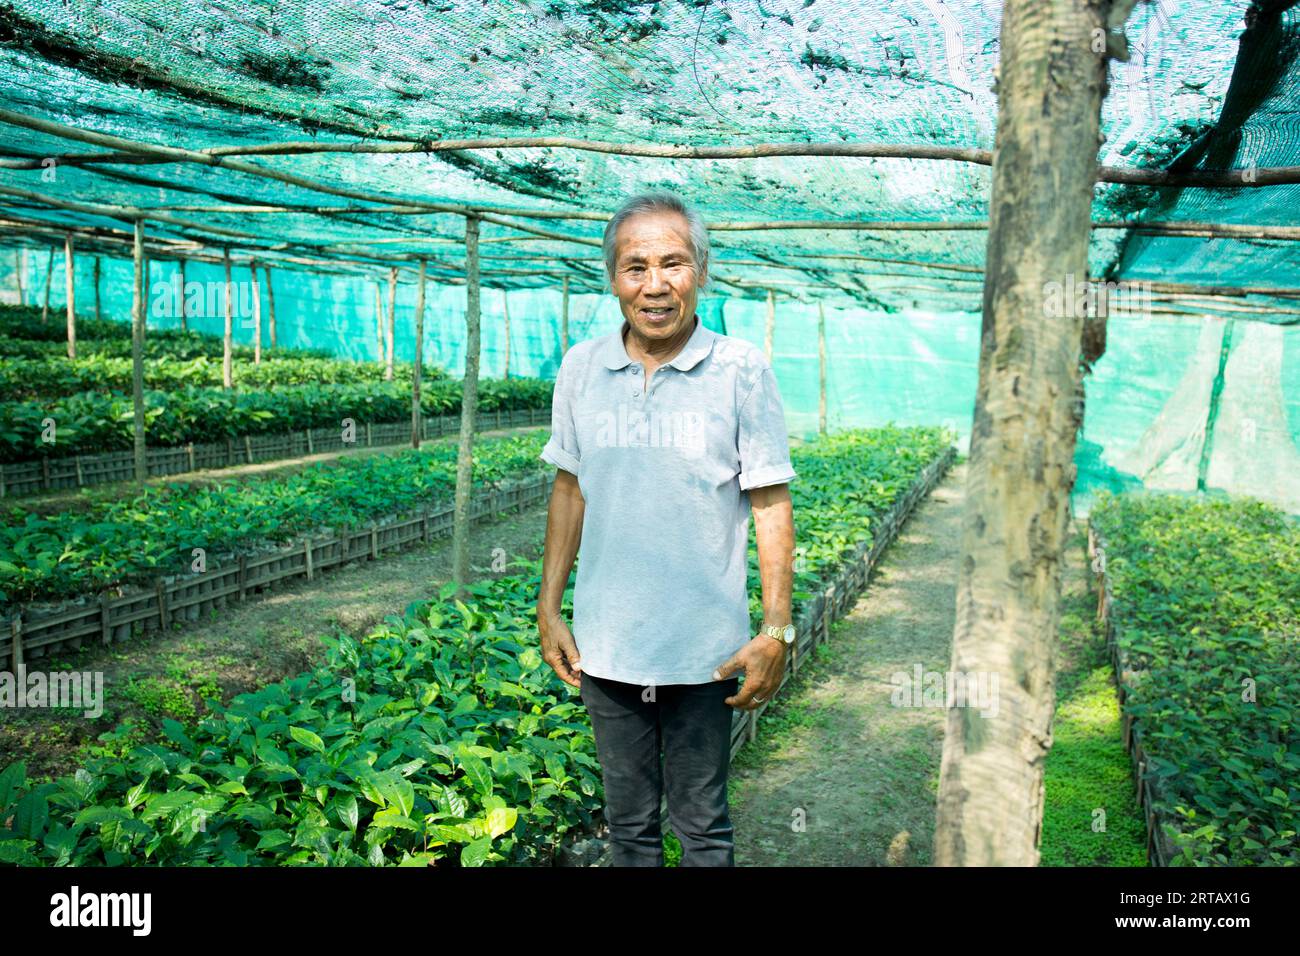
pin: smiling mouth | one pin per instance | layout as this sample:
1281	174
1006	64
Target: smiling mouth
657	312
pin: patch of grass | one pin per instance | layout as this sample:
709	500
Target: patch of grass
118	742
160	698
188	674
1090	813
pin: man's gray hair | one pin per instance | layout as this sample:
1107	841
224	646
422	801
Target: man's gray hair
659	202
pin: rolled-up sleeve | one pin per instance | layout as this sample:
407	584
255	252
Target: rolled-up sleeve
764	447
562	449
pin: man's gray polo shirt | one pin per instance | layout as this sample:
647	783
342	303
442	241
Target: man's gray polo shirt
661	594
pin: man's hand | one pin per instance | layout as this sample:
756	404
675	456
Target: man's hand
563	532
559	649
762	661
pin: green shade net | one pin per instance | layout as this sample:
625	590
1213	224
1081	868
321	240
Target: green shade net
1209	85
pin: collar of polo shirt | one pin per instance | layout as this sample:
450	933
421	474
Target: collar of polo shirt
697	346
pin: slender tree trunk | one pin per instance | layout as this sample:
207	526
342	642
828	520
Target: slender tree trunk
564	321
771	325
257	314
388	326
49	276
20	274
505	305
70	277
821	369
227	364
98	272
270	308
468	410
184	319
1028	409
137	353
417	418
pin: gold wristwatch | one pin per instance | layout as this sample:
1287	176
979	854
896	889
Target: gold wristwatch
782	633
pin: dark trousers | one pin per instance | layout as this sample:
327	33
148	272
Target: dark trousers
690	724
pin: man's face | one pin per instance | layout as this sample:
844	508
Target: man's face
655	274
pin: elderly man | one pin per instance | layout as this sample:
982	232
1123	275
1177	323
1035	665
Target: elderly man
666	435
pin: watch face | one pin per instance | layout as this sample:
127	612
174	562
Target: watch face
788	634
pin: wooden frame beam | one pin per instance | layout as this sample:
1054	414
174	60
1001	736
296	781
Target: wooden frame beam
121	154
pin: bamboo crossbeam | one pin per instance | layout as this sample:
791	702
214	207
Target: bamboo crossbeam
221	195
1217	179
173	154
255	241
1161	292
1189	229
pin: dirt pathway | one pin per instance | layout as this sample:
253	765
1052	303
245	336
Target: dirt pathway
839	776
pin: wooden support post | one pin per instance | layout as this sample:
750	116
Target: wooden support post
227	363
184	315
306	557
1028	410
417	420
257	314
98	305
270	309
505	307
137	354
163	621
1212	415
70	279
20	274
564	319
821	368
49	276
771	325
388	326
379	324
16	645
468	410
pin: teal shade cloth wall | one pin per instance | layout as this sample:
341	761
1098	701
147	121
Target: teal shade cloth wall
1148	398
